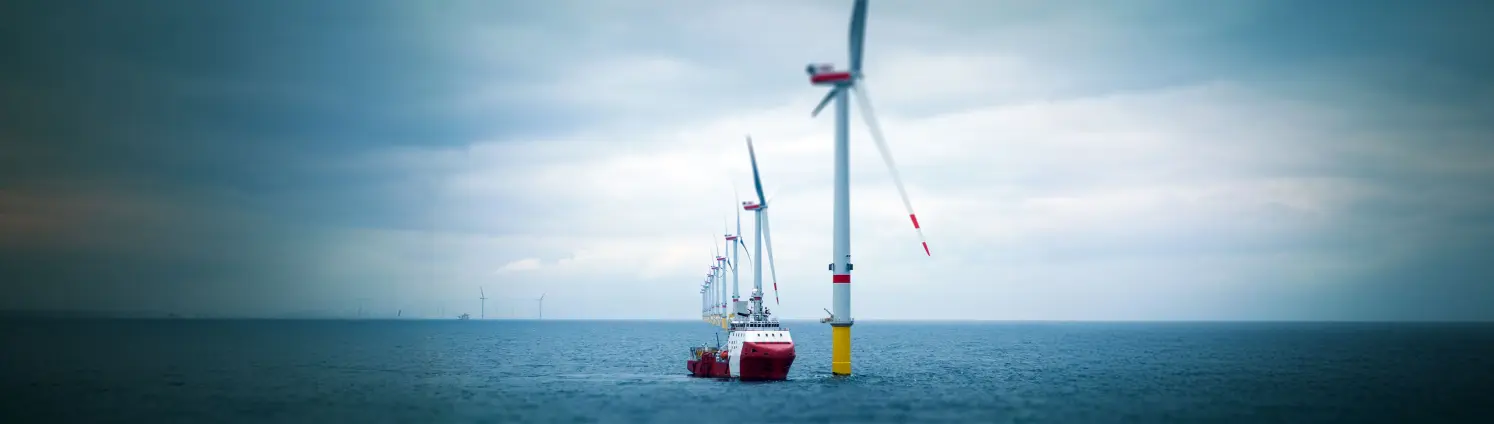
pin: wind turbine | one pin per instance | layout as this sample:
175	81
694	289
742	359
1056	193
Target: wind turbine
762	238
721	263
711	308
737	307
483	313
717	288
842	83
542	306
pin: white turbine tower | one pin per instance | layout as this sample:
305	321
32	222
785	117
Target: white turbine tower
842	83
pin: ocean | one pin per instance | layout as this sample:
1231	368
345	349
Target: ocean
411	371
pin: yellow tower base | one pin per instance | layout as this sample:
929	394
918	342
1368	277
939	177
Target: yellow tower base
840	350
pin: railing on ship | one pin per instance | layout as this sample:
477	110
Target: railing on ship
755	324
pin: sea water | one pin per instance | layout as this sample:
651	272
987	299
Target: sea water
259	371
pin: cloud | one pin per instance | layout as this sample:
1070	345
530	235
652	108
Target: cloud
526	264
1247	162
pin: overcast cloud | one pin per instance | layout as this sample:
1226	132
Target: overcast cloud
1068	160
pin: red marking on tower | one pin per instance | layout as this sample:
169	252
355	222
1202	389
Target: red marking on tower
841	279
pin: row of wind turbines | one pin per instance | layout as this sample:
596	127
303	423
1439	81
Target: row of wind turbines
842	84
482	297
714	307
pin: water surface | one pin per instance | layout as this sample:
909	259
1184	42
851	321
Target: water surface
226	371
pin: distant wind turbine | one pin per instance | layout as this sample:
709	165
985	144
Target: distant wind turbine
542	306
483	313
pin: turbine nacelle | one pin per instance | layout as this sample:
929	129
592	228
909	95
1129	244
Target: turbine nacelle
826	74
751	206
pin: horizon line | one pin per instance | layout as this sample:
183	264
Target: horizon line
128	316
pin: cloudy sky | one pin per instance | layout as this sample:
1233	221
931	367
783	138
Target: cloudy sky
1138	160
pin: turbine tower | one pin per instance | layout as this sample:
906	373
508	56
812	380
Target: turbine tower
483	313
763	238
842	83
738	307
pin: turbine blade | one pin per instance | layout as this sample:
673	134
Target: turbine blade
738	197
768	242
858	36
757	180
825	101
875	128
745	250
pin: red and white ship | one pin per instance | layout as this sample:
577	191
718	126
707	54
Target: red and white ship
757	347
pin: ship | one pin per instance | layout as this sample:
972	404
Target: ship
758	347
756	350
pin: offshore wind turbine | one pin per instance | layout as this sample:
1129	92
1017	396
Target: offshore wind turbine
726	312
483	313
716	295
760	209
738	308
711	297
542	306
842	83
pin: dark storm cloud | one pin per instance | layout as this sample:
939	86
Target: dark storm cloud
222	117
248	97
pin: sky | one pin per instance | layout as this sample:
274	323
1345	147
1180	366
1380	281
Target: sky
1075	160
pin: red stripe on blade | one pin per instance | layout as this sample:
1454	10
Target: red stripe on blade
926	249
915	220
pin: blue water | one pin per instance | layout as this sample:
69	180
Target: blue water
150	371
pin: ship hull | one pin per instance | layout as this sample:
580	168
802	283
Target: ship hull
707	366
765	361
756	355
